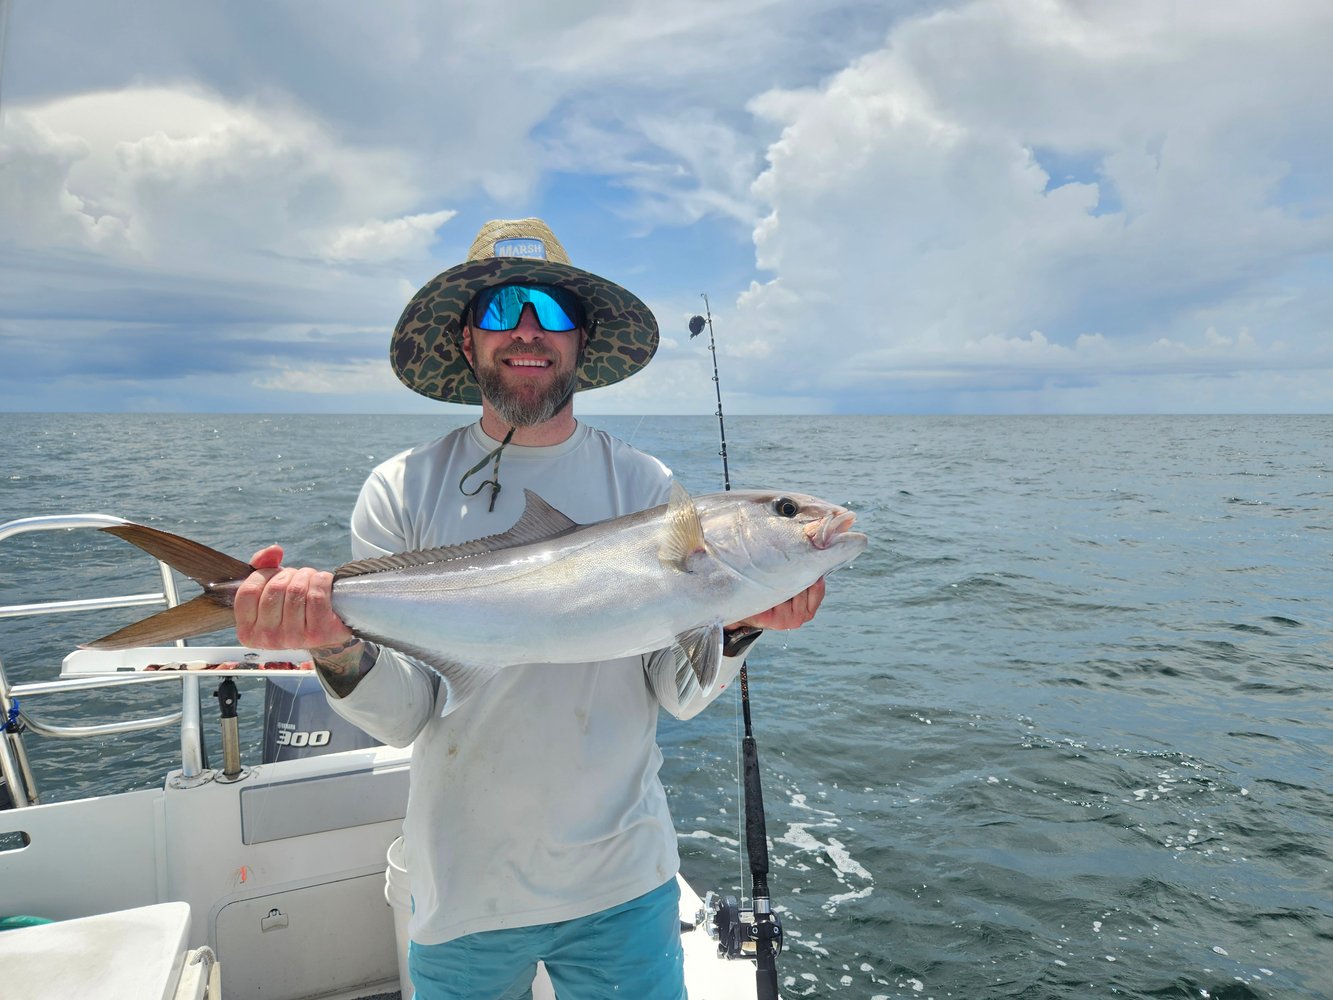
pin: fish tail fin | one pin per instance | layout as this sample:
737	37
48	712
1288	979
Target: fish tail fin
205	613
208	567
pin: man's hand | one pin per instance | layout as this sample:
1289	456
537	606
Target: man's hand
789	614
279	607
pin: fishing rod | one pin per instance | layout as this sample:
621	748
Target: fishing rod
696	327
755	932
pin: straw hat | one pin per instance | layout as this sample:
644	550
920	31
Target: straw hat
427	347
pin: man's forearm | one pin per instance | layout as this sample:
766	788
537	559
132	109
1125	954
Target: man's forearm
342	667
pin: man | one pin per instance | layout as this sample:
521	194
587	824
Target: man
537	827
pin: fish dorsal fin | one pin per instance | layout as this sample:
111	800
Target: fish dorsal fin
683	534
540	522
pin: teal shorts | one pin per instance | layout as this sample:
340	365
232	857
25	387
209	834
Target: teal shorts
630	950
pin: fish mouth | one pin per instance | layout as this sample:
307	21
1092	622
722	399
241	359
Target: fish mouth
831	529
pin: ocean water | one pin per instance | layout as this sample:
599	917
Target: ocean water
1063	731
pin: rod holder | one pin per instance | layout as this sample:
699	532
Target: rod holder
228	701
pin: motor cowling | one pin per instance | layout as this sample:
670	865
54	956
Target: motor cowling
299	722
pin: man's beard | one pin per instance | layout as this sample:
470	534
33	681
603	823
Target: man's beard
520	409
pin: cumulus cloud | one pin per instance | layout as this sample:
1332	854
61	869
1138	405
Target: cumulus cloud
346	379
38	208
925	204
394	239
198	227
1107	175
172	174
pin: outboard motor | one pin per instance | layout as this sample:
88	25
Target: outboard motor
298	721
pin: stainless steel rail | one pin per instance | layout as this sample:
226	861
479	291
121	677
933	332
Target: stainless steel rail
85	683
13	758
92	604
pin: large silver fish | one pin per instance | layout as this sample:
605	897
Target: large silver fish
549	590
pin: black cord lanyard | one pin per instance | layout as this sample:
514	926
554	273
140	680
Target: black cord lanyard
494	481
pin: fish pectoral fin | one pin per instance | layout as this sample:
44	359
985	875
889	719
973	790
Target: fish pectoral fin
698	652
683	534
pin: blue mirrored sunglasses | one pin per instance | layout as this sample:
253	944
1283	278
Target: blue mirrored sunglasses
501	306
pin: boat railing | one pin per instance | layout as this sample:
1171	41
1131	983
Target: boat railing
14	716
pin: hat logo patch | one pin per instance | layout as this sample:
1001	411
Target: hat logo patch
529	248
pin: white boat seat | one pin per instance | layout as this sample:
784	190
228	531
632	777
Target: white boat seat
133	954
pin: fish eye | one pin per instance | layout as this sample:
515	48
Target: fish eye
786	507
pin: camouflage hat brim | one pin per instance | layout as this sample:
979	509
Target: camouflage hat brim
426	350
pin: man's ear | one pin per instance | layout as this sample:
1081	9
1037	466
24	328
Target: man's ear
467	343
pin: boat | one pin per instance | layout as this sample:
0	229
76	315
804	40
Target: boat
236	880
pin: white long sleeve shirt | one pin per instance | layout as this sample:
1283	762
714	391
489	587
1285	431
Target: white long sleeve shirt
536	799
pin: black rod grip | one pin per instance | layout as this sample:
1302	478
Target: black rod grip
756	829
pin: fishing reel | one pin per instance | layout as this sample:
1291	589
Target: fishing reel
738	931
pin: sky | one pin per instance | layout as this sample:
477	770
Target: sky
892	206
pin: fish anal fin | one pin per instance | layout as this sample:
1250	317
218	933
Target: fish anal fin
698	652
683	533
461	679
540	522
203	614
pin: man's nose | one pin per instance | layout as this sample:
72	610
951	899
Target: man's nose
528	328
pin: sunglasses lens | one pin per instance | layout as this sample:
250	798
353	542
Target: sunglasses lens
500	308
